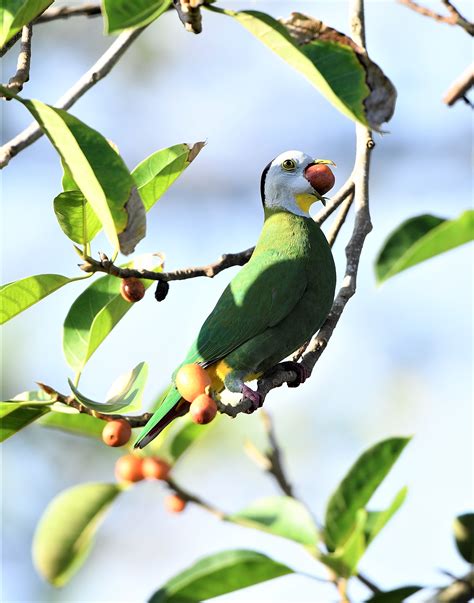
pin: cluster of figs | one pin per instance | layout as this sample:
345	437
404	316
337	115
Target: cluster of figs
193	383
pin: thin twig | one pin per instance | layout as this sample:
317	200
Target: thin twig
189	497
22	74
340	219
454	17
96	73
274	456
460	87
64	12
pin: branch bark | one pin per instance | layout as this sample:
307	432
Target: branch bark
22	74
96	73
460	87
454	17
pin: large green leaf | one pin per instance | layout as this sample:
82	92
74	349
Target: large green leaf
376	520
357	488
279	515
219	574
345	558
122	14
329	60
20	295
421	238
155	174
93	316
76	217
125	394
398	595
463	528
16	13
21	411
97	169
79	424
64	535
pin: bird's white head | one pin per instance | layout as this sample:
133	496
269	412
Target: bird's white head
288	183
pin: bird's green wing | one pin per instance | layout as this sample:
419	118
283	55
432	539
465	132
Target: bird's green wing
261	295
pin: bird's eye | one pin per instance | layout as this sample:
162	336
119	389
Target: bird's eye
288	164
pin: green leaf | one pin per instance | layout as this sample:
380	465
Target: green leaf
155	174
463	528
122	14
398	595
357	488
93	315
126	392
184	433
219	574
421	238
21	411
376	520
339	69
20	295
14	14
79	424
76	217
64	535
345	558
97	169
279	515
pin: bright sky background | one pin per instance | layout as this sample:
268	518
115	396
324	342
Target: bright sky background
398	364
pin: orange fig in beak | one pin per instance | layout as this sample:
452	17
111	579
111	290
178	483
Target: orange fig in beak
320	176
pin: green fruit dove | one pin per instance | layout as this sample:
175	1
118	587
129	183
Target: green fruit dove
275	302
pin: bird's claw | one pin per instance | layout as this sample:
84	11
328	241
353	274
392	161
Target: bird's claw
255	398
300	370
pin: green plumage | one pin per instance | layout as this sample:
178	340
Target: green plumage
270	308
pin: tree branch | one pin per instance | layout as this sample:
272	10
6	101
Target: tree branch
64	12
22	74
460	87
454	17
274	456
96	73
340	219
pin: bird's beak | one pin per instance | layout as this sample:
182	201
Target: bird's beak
325	162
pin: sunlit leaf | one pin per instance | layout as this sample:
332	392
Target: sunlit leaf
125	394
357	488
279	515
155	174
329	60
183	433
76	217
14	14
64	535
376	520
21	411
345	558
421	238
96	168
18	296
123	14
93	316
219	574
79	424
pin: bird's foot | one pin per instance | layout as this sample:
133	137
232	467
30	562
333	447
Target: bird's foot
255	398
300	370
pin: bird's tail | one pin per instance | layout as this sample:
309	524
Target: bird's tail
172	407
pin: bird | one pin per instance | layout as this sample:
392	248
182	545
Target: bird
276	301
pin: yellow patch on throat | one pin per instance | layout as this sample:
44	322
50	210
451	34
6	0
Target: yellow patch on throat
305	201
219	371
